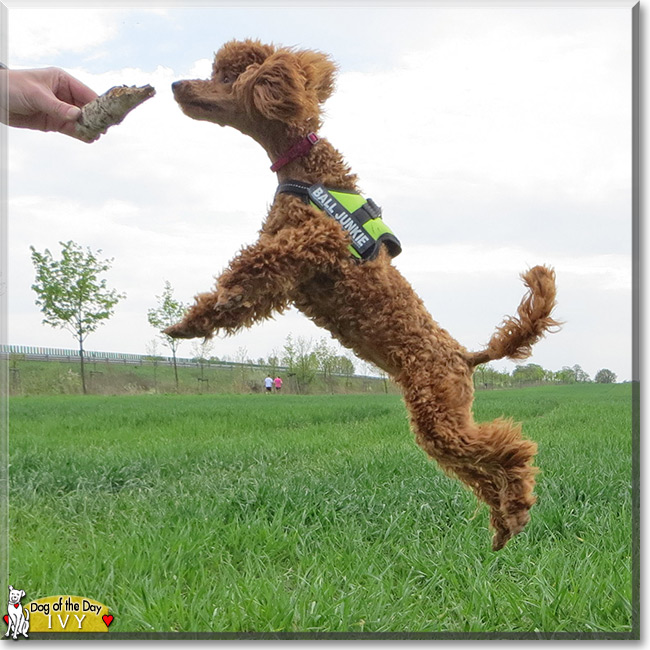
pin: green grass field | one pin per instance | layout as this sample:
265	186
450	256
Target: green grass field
316	514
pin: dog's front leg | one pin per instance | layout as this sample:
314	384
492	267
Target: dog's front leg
259	281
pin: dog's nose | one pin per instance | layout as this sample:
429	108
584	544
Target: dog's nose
179	88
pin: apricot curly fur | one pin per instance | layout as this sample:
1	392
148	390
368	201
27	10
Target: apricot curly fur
274	95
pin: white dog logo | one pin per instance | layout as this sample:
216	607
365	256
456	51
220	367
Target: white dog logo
18	619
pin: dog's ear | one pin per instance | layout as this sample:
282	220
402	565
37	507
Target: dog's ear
320	72
22	593
277	88
10	588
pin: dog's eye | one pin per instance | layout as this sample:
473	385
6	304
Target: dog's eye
227	77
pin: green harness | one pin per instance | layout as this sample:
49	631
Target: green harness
360	218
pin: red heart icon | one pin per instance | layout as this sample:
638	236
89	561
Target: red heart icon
108	619
6	619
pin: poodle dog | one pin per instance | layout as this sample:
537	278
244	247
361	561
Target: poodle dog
318	251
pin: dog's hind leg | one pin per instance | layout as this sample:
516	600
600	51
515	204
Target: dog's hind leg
499	470
491	458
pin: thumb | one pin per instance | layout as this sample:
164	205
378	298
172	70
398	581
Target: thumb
58	110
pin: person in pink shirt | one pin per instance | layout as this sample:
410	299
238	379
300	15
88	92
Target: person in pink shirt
278	384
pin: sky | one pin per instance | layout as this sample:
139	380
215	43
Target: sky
495	138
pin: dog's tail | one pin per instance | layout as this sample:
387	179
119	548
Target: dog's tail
515	337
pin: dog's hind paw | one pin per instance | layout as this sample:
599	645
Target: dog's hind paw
506	527
500	539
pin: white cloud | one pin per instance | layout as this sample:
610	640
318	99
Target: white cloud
40	33
517	114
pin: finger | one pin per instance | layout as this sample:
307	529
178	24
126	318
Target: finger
59	112
78	93
70	90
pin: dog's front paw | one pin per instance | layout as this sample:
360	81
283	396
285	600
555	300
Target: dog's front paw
184	330
176	331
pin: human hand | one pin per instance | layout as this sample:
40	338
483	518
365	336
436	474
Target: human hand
47	99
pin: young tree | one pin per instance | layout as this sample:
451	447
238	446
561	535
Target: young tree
242	383
485	376
345	367
481	375
529	374
581	375
168	312
566	375
605	376
327	360
70	293
290	354
306	364
301	361
273	362
201	353
154	357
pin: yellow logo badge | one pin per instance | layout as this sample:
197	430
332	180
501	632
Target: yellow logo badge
68	614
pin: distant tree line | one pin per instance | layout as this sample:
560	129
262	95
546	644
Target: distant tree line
533	374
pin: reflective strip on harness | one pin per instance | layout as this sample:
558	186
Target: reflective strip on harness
326	201
361	219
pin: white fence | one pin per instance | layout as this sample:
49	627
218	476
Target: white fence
59	354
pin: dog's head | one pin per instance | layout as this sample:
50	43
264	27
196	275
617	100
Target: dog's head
256	88
15	595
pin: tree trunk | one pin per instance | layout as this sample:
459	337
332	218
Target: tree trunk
83	366
175	369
